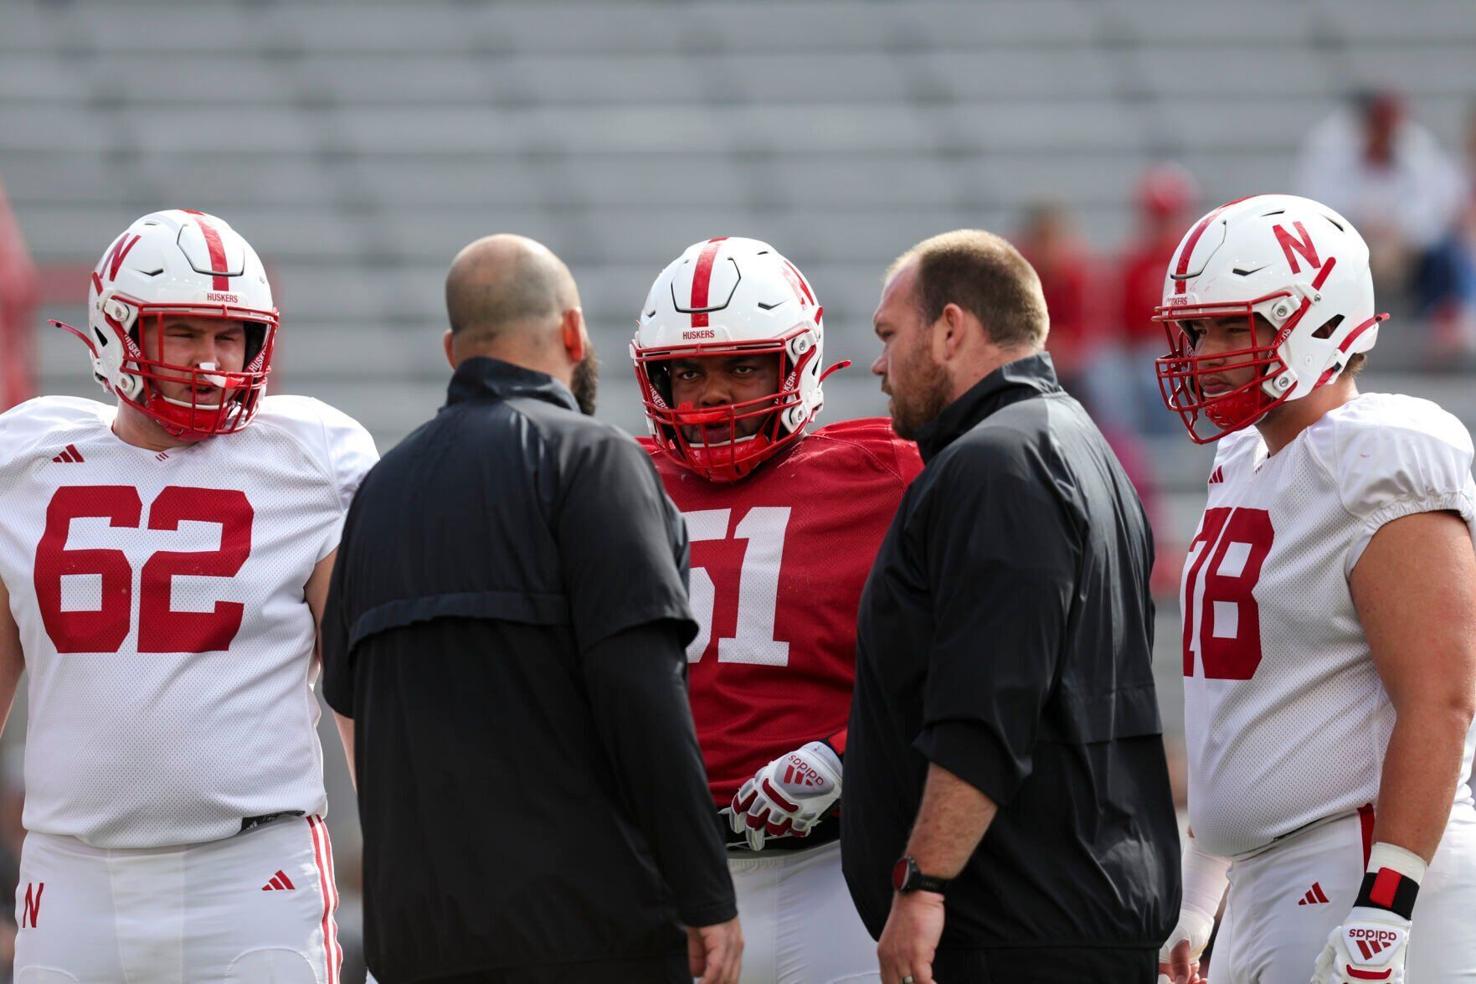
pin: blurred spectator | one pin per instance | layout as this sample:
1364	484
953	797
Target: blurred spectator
1448	281
1070	282
1166	199
1390	177
19	287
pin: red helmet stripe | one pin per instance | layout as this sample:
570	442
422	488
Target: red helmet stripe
217	254
1182	267
702	281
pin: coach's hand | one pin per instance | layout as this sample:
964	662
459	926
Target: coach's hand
715	953
910	938
788	796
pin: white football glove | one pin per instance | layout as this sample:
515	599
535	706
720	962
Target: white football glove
1369	946
788	796
1204	881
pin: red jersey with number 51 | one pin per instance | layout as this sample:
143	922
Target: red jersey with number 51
778	562
159	597
1286	719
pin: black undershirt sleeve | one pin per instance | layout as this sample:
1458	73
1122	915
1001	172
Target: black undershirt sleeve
637	689
338	661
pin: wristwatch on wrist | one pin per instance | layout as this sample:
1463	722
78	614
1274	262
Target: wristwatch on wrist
906	877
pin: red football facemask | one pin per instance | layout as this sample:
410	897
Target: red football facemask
714	448
208	401
1183	376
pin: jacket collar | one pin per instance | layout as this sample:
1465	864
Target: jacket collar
1012	382
485	378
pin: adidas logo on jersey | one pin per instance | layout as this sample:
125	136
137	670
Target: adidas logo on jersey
1315	895
69	455
1217	476
279	883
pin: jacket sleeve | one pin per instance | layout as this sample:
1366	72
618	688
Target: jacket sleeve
1002	561
622	546
638	693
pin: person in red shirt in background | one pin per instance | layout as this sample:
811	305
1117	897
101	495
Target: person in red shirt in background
1166	196
19	292
784	525
1070	280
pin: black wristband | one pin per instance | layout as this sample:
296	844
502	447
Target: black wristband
906	877
1388	889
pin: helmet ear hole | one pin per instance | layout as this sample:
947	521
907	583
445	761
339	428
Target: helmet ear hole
1328	327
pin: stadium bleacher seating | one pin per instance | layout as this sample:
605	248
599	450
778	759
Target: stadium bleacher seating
360	144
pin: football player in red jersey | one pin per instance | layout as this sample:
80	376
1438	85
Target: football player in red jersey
784	524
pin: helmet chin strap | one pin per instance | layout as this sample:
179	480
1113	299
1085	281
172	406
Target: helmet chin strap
843	364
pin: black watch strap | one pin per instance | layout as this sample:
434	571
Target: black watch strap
907	877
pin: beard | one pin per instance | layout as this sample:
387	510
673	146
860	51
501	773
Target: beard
584	382
919	402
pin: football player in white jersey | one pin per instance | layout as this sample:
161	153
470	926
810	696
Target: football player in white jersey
1329	634
163	564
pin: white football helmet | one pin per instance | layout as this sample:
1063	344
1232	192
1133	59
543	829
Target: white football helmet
1299	265
179	263
723	297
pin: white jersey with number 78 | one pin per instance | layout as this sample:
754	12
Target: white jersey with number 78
1286	719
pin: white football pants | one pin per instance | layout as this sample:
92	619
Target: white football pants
257	908
1276	920
799	924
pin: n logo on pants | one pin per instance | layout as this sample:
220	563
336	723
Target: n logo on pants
32	909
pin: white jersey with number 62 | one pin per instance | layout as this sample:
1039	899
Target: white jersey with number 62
159	595
1285	718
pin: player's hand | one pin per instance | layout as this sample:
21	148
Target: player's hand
910	938
715	953
1178	958
788	796
1369	946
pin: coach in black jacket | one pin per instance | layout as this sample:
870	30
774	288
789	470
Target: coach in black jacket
504	638
1008	815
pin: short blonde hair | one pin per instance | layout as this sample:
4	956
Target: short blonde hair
986	276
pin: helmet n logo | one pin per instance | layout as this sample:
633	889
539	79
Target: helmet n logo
1290	243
